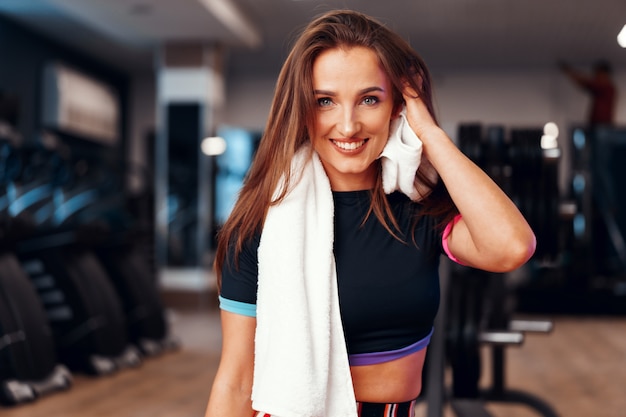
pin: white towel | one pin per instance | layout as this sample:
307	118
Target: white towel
301	363
401	158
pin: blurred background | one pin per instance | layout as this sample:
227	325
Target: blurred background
127	127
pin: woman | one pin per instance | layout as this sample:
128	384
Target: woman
343	89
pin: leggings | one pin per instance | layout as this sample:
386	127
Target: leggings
405	409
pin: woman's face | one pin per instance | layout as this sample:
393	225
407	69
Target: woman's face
354	112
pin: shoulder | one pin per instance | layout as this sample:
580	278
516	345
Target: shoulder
239	275
247	255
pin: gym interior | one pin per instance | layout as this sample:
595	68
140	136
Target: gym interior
126	131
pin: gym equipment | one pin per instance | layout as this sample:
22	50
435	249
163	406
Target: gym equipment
589	274
85	314
88	210
480	314
130	274
29	366
81	306
526	172
28	362
608	172
120	249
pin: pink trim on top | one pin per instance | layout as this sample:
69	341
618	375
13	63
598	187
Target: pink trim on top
444	238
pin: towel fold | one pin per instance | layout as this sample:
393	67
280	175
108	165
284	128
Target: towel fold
401	158
301	364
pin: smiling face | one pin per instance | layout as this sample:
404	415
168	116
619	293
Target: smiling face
354	112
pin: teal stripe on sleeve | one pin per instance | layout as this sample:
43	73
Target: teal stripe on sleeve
237	307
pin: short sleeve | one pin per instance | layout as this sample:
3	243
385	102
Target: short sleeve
240	279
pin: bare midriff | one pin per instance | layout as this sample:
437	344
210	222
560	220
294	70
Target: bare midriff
389	382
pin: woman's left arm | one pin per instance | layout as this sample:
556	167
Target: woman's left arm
492	234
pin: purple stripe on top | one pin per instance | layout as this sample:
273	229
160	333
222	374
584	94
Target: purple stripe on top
360	359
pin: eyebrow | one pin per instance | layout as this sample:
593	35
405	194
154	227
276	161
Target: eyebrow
361	92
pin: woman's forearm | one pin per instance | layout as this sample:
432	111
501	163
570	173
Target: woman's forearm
227	400
231	392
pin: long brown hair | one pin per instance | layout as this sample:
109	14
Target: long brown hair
293	111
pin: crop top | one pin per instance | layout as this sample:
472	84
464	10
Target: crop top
388	289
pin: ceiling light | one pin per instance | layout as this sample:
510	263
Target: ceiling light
551	129
213	146
549	142
229	14
621	37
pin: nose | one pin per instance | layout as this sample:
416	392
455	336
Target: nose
348	124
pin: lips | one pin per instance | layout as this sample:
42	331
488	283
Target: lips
349	146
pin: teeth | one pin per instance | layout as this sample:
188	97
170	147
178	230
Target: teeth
349	146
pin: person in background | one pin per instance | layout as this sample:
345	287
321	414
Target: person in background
600	86
339	225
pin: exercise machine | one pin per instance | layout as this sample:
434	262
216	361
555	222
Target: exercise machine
29	366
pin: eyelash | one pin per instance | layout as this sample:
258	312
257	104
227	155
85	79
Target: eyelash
326	101
374	99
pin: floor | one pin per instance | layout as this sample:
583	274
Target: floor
174	384
579	368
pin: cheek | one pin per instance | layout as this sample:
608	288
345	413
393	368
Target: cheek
322	124
317	135
382	131
317	128
381	127
380	121
385	126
